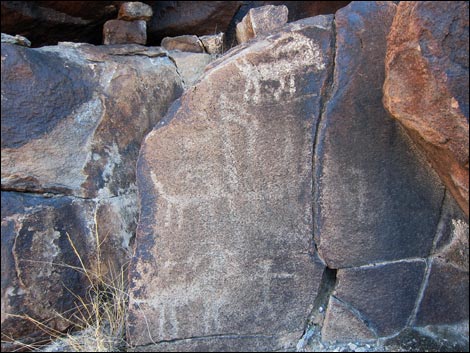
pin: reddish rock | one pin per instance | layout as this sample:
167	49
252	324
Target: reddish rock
261	20
188	43
426	87
213	44
224	248
124	32
131	11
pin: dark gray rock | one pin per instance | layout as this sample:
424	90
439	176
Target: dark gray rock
375	198
445	299
384	296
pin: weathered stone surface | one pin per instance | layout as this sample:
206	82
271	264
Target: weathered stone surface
190	65
85	139
48	22
445	299
37	279
342	325
224	243
175	18
188	43
130	11
20	40
383	295
426	87
125	32
375	198
213	44
261	20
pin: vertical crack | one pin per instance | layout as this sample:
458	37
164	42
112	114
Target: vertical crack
326	93
439	228
320	304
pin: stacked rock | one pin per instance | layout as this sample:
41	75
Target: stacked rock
131	25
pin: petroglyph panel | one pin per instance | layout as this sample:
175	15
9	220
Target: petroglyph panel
224	244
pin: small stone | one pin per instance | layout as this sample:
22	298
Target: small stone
352	346
125	32
19	40
261	20
361	349
213	44
188	43
131	11
320	309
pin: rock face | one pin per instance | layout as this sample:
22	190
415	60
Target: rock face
224	247
85	141
261	20
73	118
383	219
426	86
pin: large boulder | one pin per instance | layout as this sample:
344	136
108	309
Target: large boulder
224	256
73	118
426	87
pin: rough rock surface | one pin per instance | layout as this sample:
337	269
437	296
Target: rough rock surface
37	279
86	139
125	32
190	66
213	44
261	20
427	85
224	247
375	199
187	43
73	118
131	11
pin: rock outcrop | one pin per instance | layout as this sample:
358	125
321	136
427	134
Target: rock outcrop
225	229
214	220
73	118
426	88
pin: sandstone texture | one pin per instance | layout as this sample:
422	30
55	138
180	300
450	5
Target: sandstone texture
224	247
125	32
131	11
187	43
73	118
261	20
426	87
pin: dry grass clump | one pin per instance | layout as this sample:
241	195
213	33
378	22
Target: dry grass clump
98	320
